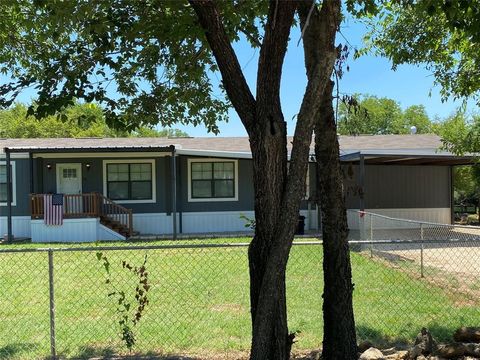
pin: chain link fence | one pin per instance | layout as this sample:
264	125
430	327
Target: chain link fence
434	269
81	302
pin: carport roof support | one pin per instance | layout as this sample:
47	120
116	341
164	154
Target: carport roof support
408	157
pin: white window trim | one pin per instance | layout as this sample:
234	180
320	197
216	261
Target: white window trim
195	160
129	161
14	184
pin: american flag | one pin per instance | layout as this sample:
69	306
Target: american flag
53	209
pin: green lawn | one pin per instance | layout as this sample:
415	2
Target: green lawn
199	301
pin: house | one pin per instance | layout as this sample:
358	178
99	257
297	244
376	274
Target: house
114	187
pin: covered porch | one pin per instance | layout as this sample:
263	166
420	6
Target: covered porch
86	208
89	205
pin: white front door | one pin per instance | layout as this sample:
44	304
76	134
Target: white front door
69	178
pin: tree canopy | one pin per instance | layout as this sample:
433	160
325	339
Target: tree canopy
146	62
369	114
444	36
78	120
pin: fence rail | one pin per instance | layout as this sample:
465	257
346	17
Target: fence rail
64	301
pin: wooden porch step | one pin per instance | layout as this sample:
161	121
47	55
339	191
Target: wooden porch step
116	226
111	214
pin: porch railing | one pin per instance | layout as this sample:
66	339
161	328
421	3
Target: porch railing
88	205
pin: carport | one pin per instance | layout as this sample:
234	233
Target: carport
398	161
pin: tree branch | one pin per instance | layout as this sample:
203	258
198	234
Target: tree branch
272	54
319	28
233	79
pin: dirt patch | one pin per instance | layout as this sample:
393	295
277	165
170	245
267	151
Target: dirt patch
231	355
454	269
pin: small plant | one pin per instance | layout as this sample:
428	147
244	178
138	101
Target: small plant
249	223
129	314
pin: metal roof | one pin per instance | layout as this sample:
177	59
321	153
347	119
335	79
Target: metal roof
408	157
233	144
351	147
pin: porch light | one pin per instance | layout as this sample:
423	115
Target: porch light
49	166
88	166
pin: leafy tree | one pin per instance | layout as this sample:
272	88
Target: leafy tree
417	116
373	115
76	121
79	120
460	135
370	115
466	182
443	35
151	62
149	131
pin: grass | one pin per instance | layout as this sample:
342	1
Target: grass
199	301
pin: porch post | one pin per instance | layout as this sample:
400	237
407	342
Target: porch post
30	158
9	194
362	183
174	193
452	195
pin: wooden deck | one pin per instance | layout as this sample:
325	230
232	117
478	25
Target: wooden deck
111	214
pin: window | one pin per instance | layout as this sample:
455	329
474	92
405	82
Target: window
130	181
3	184
213	180
70	173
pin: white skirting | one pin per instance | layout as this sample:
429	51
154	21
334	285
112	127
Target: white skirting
225	221
154	223
433	215
204	222
20	226
89	229
72	230
215	221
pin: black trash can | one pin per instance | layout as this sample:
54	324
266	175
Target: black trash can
300	225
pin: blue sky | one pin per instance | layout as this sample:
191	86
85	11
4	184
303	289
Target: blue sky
409	85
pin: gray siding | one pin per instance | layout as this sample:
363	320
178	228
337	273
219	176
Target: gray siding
92	180
22	178
397	187
246	193
386	186
245	190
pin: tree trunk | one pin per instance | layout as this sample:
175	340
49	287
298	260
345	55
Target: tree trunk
339	340
269	154
277	195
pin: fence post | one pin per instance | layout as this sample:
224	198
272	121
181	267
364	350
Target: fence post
421	250
53	351
371	235
371	227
